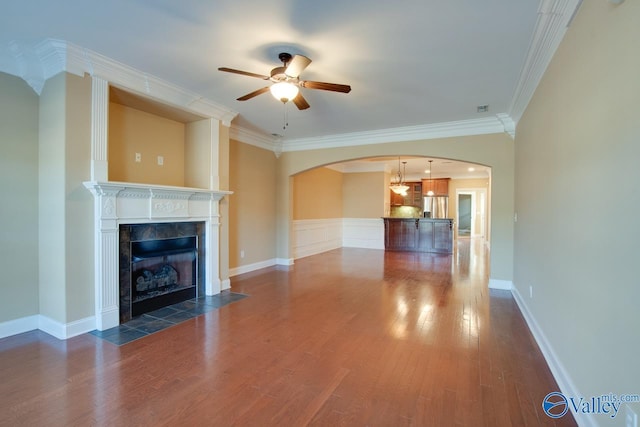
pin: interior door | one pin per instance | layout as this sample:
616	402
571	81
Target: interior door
465	215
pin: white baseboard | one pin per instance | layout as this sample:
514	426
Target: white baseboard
252	267
225	284
560	374
316	248
284	261
505	285
18	326
52	327
64	331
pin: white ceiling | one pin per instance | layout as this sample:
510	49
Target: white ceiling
410	63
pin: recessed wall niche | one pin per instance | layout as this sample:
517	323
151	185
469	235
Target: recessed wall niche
153	143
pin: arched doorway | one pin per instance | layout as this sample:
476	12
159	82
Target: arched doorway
340	204
492	150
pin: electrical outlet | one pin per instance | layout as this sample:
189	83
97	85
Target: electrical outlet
530	291
631	417
160	160
138	157
241	254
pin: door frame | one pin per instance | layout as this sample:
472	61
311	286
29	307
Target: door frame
478	207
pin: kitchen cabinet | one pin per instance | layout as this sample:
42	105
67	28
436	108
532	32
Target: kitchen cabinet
413	197
440	186
396	199
400	234
418	235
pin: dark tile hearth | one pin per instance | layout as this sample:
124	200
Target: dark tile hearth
166	317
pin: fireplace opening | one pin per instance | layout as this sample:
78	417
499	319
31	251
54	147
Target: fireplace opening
163	272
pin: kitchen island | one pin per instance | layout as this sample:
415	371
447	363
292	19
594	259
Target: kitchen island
418	234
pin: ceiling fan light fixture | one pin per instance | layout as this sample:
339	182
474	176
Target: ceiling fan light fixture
284	91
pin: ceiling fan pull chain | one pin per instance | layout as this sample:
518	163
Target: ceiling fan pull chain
285	119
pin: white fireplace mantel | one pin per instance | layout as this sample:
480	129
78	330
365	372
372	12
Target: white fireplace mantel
129	203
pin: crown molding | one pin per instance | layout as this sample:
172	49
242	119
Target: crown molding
38	62
508	123
554	17
257	139
483	126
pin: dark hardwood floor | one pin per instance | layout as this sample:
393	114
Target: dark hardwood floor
350	337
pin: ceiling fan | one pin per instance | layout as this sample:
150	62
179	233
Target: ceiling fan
286	81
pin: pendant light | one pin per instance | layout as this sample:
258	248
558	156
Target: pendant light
399	186
430	192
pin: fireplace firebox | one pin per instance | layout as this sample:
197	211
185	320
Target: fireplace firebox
163	272
160	264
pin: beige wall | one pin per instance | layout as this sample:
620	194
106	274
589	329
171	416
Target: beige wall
578	198
223	206
496	150
19	184
133	131
252	207
65	206
363	195
52	244
79	231
197	154
317	194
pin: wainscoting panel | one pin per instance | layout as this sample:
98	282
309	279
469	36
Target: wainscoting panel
314	236
365	233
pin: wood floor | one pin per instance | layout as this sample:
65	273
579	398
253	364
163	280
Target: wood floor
351	337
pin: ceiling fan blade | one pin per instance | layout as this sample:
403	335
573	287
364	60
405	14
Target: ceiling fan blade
300	102
297	65
334	87
243	73
254	93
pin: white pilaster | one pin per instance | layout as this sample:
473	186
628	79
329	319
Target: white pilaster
99	128
214	173
106	255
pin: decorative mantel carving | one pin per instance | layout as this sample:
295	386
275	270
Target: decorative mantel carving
159	201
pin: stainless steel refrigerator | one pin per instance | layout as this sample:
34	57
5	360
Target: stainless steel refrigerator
436	207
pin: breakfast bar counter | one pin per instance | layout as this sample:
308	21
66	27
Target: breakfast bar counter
418	234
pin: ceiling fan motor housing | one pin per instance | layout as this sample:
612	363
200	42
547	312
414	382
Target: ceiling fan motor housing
278	75
285	57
